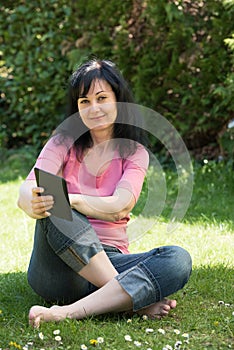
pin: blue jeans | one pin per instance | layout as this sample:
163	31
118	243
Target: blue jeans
62	248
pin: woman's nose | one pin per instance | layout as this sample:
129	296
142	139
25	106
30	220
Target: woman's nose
95	106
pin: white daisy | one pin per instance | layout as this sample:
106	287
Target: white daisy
41	336
137	343
100	340
160	330
83	347
149	330
57	338
128	337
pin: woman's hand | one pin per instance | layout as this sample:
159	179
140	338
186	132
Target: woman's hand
41	204
32	201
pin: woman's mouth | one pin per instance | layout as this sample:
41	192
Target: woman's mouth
97	117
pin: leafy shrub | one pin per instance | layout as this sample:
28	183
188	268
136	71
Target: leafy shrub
33	70
177	56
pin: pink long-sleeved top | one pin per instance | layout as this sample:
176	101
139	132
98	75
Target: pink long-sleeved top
61	159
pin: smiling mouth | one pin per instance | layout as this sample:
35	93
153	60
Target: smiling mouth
98	117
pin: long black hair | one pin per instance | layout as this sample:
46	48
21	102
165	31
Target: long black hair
128	127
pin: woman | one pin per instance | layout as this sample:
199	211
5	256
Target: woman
84	264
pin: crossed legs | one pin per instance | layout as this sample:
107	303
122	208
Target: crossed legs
110	298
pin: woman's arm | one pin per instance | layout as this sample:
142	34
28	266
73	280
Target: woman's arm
32	202
110	208
128	189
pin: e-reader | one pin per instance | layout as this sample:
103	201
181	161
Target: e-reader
55	186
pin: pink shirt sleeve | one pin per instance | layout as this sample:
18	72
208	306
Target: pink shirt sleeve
52	157
59	158
134	171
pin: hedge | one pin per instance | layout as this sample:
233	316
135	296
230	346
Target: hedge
176	54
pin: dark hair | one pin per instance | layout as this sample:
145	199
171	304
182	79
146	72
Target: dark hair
128	127
90	71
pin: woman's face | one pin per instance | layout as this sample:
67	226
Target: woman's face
98	109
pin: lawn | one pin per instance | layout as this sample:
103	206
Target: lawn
204	317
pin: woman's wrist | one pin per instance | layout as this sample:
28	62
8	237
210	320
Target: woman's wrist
73	199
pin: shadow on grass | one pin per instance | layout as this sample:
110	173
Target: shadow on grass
16	295
211	202
16	163
199	312
208	284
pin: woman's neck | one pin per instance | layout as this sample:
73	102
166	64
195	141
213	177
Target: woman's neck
100	136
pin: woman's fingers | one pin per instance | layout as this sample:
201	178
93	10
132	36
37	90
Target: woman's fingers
41	204
36	191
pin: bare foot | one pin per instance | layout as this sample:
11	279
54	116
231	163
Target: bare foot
37	314
159	309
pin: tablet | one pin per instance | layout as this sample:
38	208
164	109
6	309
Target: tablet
55	186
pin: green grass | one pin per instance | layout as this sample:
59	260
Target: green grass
207	232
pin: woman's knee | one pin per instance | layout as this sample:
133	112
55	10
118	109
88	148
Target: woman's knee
181	263
173	262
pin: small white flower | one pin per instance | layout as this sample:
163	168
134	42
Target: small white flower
145	317
185	335
83	347
177	331
160	330
178	344
41	336
56	331
221	302
149	330
100	340
128	337
129	320
233	313
168	347
137	343
25	347
57	338
226	304
30	343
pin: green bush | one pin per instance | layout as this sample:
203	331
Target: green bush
33	70
184	64
177	56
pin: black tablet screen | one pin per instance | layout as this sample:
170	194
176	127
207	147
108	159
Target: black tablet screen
57	187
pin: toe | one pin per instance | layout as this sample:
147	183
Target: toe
164	313
166	308
37	322
173	304
34	317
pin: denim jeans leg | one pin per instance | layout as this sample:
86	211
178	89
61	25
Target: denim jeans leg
50	277
150	277
75	242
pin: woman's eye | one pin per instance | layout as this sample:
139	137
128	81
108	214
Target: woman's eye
84	101
101	98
